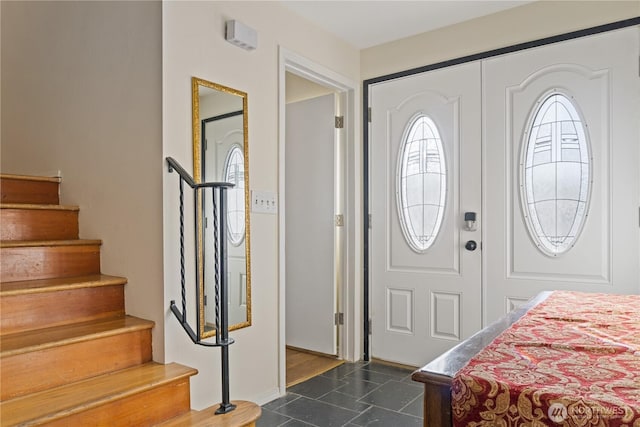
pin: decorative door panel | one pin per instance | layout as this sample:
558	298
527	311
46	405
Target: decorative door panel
428	215
586	258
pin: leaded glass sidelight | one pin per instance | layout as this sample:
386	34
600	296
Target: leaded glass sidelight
234	173
422	183
555	174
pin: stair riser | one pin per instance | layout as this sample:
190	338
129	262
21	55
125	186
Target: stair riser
144	409
26	312
39	370
27	191
38	224
33	263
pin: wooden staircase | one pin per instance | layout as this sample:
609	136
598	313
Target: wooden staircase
69	355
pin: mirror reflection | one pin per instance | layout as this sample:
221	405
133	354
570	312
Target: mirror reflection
220	153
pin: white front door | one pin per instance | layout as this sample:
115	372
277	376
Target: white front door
561	137
556	131
310	225
425	174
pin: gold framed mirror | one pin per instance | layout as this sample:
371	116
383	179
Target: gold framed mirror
221	154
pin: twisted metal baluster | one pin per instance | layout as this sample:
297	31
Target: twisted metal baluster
226	405
216	262
182	274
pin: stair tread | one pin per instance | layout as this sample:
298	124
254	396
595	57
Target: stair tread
76	397
35	243
59	284
34	206
31	177
244	414
40	339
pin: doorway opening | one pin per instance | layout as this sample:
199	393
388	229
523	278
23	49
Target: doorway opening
316	223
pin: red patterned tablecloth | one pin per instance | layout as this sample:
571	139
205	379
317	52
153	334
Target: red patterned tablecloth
573	360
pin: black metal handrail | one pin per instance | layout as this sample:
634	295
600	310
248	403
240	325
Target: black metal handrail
221	324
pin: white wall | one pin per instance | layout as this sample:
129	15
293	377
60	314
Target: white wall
81	94
521	24
194	45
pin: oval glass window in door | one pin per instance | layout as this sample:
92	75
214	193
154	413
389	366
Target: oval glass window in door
234	173
555	174
422	183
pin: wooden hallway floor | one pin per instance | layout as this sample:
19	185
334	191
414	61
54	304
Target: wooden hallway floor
302	365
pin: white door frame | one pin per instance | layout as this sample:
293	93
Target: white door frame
350	334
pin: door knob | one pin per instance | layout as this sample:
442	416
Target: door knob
471	245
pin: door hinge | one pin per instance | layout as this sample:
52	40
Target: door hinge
339	220
205	300
339	122
370	328
206	222
369	114
370	225
205	145
338	319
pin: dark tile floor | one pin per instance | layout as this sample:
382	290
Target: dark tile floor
353	394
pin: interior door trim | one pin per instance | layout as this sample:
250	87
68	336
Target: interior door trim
289	61
443	64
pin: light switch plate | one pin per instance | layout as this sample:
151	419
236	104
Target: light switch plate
264	202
